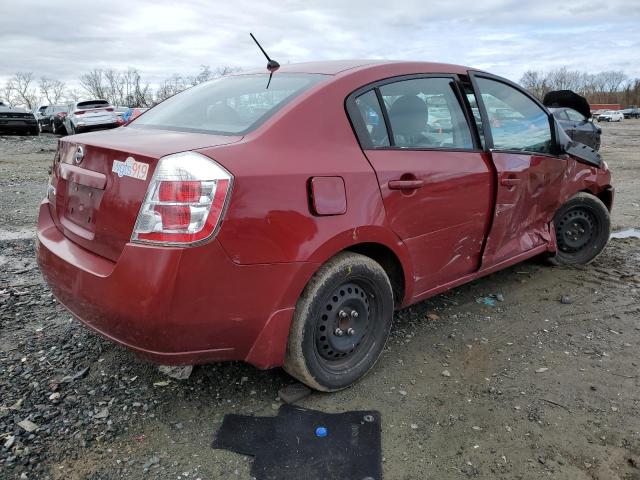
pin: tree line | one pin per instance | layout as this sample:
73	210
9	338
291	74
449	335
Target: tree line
612	86
127	88
120	87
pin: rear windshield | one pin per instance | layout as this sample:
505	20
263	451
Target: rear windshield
228	106
93	104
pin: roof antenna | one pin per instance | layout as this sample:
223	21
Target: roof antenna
272	65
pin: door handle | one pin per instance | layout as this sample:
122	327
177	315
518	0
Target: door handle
509	181
405	184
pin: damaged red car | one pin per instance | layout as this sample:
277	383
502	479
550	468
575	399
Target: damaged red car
280	219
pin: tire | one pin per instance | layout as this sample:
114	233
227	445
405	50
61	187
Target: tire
582	230
317	354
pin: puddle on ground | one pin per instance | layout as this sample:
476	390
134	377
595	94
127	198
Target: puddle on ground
628	233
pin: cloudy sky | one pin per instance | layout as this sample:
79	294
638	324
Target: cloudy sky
63	39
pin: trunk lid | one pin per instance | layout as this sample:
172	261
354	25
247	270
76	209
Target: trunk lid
101	178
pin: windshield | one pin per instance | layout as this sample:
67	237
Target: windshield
227	106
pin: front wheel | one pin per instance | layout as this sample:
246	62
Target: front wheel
341	323
582	230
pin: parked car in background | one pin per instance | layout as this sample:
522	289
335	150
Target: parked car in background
632	111
45	122
57	123
17	120
120	111
89	115
133	113
578	127
611	116
38	111
280	217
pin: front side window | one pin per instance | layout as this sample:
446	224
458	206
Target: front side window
425	113
231	105
516	121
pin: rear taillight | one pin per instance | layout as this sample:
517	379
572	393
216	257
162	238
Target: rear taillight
109	109
78	112
185	201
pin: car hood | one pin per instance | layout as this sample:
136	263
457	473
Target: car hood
567	99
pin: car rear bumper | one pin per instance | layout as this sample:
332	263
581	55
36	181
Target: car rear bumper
175	305
11	125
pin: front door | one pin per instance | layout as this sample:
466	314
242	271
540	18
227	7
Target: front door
519	136
436	182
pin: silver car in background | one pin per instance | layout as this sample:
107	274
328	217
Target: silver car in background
90	115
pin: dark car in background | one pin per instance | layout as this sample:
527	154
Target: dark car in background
46	120
17	120
578	127
632	111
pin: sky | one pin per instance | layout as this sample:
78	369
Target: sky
64	39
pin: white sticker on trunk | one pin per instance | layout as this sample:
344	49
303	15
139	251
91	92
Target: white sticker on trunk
130	168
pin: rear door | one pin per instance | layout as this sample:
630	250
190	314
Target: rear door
434	178
521	141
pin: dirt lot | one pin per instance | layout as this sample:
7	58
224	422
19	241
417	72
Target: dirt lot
536	387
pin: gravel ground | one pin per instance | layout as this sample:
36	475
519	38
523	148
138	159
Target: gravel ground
543	384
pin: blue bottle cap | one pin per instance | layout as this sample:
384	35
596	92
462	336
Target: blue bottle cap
321	432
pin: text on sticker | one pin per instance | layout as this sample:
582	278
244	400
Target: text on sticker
130	168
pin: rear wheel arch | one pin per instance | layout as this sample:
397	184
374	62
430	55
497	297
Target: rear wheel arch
390	263
381	245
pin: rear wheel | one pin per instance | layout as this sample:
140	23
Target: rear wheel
582	230
341	323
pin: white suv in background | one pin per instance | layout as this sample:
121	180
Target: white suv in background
611	116
90	115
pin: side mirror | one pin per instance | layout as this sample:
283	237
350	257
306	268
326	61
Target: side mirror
579	151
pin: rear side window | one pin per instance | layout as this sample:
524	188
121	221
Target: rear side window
426	113
516	121
228	106
371	114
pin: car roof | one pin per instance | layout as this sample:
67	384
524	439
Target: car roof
335	67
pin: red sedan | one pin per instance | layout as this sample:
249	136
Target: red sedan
282	222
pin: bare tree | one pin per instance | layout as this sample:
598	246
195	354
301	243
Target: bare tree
203	75
171	86
52	90
535	82
94	84
206	73
6	92
21	90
